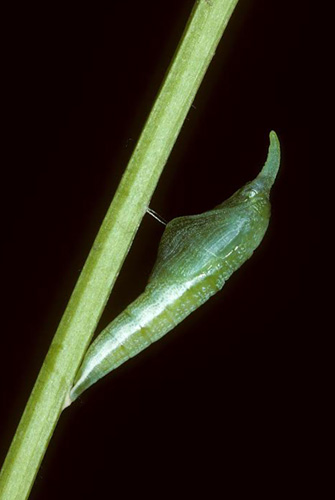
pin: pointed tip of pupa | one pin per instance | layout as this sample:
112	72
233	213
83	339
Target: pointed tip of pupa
269	172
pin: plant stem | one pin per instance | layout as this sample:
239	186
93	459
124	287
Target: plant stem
196	49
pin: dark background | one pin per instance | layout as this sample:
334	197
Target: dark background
216	405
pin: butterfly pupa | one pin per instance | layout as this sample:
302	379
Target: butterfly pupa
196	256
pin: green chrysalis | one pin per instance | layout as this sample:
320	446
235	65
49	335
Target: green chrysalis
196	256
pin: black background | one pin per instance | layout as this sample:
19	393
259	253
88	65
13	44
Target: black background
216	405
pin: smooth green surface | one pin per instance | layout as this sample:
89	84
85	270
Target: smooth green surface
197	47
196	256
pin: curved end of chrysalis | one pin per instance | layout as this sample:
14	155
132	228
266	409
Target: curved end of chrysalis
269	172
68	400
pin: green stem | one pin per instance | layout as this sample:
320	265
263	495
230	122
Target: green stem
196	49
